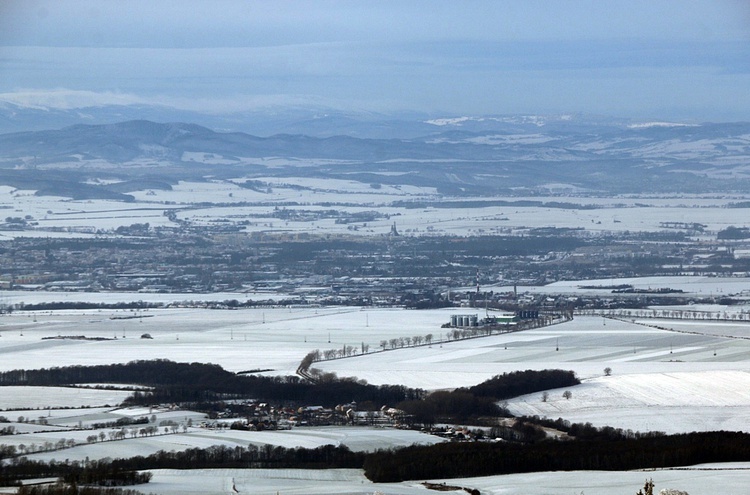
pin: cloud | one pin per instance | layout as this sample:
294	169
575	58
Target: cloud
247	23
70	99
66	99
480	56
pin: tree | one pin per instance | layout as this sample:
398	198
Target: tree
567	394
545	396
607	371
648	488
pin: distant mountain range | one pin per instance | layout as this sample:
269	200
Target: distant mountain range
311	120
459	156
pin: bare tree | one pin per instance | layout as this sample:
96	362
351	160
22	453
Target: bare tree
648	488
567	394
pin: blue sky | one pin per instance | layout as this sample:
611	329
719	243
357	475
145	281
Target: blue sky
683	59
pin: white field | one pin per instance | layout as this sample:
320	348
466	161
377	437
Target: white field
277	340
703	479
72	417
733	480
695	285
360	439
662	380
238	340
44	397
669	402
10	297
614	214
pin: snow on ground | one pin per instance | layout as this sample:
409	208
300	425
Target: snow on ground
662	380
39	426
733	479
669	402
10	297
357	438
698	285
688	284
586	345
239	340
730	329
82	217
263	481
46	397
277	340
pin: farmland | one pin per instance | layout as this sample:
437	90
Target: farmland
662	380
253	263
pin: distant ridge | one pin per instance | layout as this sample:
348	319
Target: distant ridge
537	158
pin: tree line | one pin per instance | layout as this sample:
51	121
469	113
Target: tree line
66	489
122	472
587	431
199	383
446	460
592	449
513	384
463	459
205	387
62	305
474	403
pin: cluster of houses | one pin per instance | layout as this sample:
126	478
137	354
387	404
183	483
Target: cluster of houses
257	416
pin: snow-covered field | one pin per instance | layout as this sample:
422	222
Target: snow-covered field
45	397
239	340
10	297
82	218
358	439
277	340
696	285
733	479
669	402
694	378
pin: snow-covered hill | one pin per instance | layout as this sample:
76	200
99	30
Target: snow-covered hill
506	158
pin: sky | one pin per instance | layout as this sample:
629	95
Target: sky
668	59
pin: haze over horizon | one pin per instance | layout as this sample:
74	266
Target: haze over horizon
662	59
